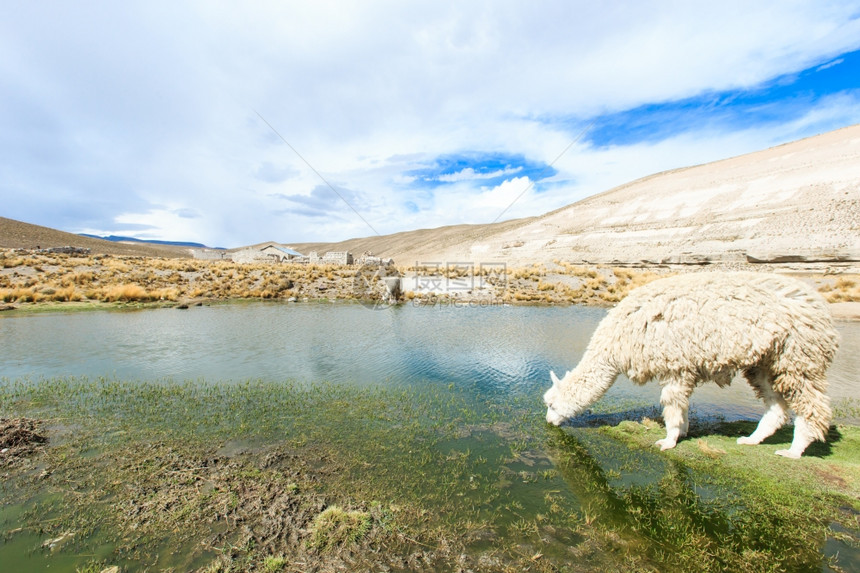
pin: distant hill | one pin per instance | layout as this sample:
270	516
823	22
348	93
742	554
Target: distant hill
795	202
120	239
19	235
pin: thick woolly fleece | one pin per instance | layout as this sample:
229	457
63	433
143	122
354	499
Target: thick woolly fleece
693	328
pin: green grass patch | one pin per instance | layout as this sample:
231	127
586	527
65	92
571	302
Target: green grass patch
336	527
257	475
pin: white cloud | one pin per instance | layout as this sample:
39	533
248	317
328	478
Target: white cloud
469	174
142	113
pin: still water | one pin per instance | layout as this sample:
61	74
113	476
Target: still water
493	349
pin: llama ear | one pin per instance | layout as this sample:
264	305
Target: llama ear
554	378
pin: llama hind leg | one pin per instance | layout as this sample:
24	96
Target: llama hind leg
675	398
812	420
776	413
803	436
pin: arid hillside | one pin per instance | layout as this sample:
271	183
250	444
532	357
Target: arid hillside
19	235
796	202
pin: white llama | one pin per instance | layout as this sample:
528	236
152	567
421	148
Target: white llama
694	328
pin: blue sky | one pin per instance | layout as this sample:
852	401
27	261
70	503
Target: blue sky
232	124
783	99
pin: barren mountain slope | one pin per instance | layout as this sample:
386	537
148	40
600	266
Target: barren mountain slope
17	235
798	201
419	246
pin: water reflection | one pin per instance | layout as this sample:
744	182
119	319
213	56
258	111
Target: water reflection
496	350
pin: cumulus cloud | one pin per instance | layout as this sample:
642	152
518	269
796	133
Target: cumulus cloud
469	174
144	114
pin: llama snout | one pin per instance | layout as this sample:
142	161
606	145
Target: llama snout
553	417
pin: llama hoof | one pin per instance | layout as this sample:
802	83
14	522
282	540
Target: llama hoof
747	441
788	454
665	444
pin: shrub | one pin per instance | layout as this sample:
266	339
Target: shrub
10	263
83	278
19	294
171	294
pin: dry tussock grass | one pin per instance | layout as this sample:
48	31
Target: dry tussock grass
844	289
568	283
41	277
30	278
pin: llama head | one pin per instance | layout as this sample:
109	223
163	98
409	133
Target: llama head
557	407
578	389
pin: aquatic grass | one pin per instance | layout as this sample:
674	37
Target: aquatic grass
440	466
782	509
407	434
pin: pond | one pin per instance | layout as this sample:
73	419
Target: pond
473	378
494	349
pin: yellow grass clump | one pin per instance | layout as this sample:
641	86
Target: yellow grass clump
126	293
844	289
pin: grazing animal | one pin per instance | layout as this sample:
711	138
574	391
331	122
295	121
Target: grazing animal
693	328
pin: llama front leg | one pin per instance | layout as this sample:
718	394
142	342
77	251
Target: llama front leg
685	422
773	419
675	398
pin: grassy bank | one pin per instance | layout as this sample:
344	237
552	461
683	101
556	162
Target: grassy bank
277	476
